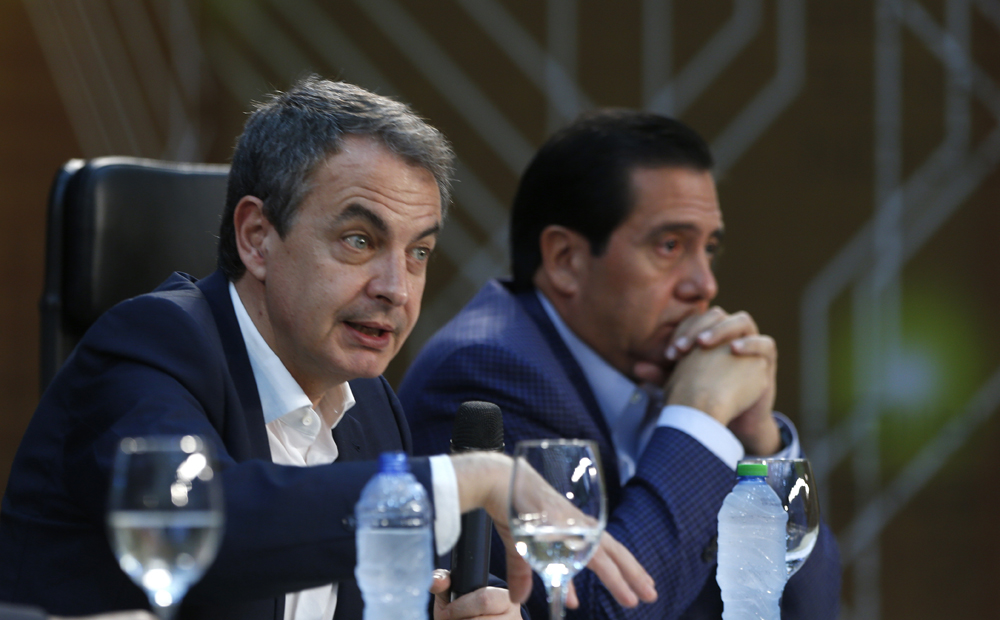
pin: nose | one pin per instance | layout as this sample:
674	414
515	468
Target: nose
697	283
390	281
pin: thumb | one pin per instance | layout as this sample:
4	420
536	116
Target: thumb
441	589
442	582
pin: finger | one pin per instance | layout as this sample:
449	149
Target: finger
572	602
641	582
759	346
442	581
440	588
734	326
605	568
684	336
518	576
481	602
621	573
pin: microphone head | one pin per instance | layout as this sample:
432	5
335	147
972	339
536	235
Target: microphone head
478	426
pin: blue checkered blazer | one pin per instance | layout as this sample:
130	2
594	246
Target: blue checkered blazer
503	348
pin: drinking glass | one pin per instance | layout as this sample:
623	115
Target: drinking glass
793	481
165	515
557	526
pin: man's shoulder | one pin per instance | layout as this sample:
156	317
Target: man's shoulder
177	313
494	315
494	338
179	293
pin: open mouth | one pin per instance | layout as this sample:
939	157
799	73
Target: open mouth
374	332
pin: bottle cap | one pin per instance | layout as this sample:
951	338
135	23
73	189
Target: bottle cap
751	469
393	463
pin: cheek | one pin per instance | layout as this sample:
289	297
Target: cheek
412	312
416	295
646	307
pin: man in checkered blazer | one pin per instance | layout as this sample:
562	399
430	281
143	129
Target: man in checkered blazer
606	332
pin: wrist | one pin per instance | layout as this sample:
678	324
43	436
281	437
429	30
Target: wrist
765	442
704	401
483	478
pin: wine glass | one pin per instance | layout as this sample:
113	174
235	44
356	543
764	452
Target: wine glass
793	481
165	515
557	526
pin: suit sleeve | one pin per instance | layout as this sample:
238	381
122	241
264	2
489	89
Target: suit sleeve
666	514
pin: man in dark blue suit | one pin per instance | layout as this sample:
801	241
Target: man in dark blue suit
607	319
333	208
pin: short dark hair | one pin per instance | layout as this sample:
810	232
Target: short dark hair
581	178
290	134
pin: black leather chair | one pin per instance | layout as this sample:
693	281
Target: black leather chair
117	227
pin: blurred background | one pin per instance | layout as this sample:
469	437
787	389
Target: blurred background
858	149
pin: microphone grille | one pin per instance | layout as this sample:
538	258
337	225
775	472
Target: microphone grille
478	426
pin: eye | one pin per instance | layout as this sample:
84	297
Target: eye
670	245
714	251
358	242
421	254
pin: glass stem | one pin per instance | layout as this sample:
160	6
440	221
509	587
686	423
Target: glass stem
555	589
166	613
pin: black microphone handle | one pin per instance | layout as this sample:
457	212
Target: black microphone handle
470	559
478	426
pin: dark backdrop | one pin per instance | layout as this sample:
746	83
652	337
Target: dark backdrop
858	147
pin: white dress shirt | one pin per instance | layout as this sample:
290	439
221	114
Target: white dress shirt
298	435
624	404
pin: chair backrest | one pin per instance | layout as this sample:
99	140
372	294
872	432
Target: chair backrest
117	227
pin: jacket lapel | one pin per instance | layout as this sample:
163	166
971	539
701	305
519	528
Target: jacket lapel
529	302
216	290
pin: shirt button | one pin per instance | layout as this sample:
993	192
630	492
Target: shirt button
636	397
307	420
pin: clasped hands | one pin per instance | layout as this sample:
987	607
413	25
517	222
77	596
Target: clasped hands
726	368
722	365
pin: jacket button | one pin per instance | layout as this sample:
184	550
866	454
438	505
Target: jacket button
349	523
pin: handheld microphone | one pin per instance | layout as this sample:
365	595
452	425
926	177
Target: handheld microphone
478	426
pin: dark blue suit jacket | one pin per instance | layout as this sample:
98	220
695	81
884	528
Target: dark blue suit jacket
503	348
174	362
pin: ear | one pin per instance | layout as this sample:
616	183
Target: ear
565	254
252	228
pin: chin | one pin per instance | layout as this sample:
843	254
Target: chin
369	369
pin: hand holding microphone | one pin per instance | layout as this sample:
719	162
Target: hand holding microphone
478	426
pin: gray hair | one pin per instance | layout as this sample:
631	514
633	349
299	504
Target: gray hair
290	134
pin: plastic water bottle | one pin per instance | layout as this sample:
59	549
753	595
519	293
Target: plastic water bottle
395	562
752	534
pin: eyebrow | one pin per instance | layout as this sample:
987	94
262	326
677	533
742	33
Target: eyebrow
718	233
433	230
356	211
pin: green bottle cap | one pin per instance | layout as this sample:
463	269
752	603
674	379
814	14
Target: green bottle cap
751	469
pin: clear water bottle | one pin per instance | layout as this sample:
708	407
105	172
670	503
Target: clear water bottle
752	534
395	562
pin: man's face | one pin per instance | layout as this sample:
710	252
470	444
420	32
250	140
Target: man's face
656	270
343	288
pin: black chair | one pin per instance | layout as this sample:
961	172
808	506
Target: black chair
117	227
